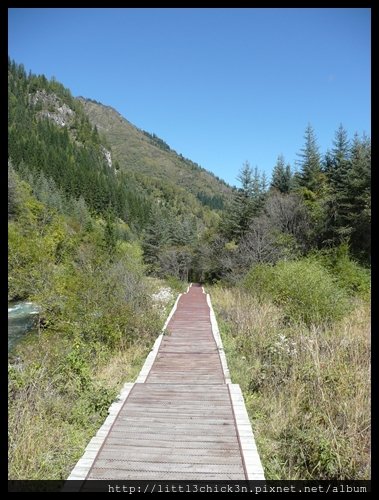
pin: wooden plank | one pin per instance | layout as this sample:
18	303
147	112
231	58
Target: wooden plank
138	451
130	465
108	474
127	441
179	437
176	429
160	455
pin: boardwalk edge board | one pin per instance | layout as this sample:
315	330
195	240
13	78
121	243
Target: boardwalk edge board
217	337
249	450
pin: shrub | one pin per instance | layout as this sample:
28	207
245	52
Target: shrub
352	277
304	288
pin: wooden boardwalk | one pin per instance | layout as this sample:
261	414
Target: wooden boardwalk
182	419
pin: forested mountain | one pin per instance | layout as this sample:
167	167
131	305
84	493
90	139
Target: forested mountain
155	164
133	169
83	156
79	153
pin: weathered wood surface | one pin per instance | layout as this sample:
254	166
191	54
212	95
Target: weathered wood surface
184	422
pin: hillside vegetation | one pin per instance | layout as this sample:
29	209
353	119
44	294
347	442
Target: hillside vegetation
153	162
297	339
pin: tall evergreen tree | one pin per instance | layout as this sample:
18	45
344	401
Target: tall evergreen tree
281	176
246	203
310	175
337	166
359	192
337	162
156	236
241	209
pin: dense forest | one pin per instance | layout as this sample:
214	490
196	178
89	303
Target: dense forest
102	215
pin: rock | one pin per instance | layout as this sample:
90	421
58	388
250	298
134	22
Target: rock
58	112
107	155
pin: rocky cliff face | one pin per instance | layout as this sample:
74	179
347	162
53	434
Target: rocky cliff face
52	108
107	156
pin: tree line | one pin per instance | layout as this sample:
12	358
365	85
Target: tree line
326	203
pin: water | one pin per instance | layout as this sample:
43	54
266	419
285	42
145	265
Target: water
21	319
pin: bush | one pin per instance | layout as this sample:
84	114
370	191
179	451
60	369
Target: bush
352	277
305	289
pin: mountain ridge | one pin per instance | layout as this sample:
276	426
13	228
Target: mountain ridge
144	153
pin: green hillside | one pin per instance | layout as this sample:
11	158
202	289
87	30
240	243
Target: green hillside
152	160
78	155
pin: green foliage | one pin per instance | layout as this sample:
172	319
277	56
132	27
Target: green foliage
246	203
93	309
168	243
110	238
36	241
281	176
176	284
310	162
352	277
13	195
304	288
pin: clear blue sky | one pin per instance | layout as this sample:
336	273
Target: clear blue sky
221	86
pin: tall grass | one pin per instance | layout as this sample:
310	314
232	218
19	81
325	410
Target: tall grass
60	388
306	387
56	406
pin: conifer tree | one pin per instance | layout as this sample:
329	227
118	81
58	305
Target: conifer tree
281	176
241	208
310	175
359	194
337	163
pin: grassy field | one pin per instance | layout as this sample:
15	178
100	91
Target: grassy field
306	386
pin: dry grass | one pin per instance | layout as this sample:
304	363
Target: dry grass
60	391
51	420
124	366
307	389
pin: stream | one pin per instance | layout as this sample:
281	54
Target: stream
21	319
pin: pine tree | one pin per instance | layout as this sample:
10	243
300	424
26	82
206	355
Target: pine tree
337	166
337	162
241	208
281	176
359	193
310	175
246	203
156	236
